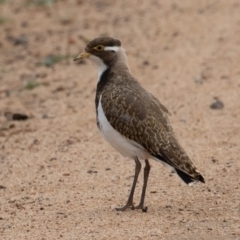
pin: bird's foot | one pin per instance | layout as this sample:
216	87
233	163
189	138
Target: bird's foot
131	205
128	205
141	206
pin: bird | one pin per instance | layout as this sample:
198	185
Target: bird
132	120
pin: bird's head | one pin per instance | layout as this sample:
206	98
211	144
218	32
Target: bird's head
103	50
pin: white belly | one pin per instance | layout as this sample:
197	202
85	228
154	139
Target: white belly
124	146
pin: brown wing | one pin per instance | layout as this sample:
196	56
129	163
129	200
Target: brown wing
139	116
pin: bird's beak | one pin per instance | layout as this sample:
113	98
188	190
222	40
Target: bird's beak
82	56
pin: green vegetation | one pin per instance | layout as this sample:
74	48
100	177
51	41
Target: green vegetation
3	1
45	3
31	85
2	20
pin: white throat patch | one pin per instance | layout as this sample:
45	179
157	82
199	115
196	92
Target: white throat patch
101	65
122	58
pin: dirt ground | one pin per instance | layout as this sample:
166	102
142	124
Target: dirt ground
58	178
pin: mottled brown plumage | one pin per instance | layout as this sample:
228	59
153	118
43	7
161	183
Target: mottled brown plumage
137	115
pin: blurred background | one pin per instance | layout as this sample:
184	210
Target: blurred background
58	178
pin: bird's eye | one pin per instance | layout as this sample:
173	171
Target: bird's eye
99	48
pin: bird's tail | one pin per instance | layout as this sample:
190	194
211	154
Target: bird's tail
184	169
175	156
190	179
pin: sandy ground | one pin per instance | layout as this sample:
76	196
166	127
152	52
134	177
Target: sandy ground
58	178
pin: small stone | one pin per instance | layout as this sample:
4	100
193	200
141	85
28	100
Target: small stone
217	104
16	116
66	174
214	160
92	171
21	40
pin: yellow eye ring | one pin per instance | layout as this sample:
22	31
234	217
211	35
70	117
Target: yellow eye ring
99	48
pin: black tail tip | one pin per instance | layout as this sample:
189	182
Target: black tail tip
200	178
189	179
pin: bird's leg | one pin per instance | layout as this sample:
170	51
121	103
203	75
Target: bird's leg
146	174
130	198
